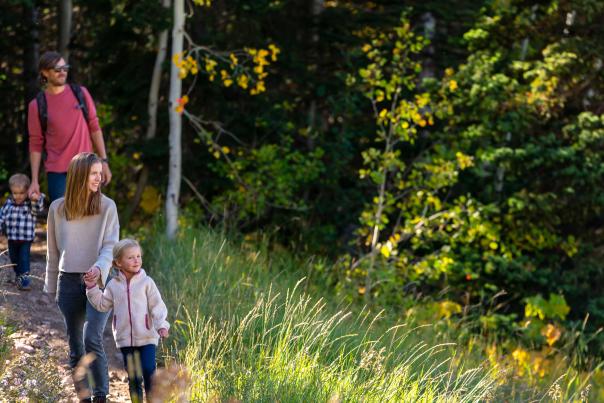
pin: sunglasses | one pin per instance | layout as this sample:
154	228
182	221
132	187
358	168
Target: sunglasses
58	69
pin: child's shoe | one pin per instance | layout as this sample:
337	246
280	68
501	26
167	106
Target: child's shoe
23	282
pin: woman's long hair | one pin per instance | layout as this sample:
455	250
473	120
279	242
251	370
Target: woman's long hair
79	200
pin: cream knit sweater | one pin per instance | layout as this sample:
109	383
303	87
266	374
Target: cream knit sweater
75	246
138	310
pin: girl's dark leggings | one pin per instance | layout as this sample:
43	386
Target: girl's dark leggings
140	364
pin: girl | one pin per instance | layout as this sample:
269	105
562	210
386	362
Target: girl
82	229
139	314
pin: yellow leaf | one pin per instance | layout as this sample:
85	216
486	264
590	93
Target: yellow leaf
243	81
385	250
551	334
151	200
448	308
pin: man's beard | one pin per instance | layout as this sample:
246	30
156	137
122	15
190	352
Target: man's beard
57	82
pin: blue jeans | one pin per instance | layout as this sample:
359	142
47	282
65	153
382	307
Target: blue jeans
85	326
140	365
57	181
18	252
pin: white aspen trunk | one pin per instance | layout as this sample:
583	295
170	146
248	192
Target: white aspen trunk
162	49
174	172
65	14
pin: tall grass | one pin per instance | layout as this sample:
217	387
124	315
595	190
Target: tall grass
247	330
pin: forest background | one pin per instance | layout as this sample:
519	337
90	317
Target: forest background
448	152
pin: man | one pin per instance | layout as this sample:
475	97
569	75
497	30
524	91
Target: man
67	131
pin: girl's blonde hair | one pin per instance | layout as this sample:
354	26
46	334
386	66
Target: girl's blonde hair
122	245
79	201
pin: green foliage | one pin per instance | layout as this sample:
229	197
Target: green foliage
469	164
553	308
270	176
522	113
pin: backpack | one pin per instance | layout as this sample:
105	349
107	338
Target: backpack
43	106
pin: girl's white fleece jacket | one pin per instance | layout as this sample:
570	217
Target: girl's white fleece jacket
138	310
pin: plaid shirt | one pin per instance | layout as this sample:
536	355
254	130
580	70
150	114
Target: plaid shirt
18	221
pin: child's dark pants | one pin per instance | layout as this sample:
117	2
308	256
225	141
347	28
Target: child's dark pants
140	364
18	252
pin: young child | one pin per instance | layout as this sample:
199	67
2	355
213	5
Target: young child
139	314
18	219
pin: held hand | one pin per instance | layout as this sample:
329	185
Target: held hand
106	174
92	274
34	197
34	190
89	283
163	332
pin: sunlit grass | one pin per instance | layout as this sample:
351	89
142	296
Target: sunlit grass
248	326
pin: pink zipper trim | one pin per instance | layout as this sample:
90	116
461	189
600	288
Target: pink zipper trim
129	312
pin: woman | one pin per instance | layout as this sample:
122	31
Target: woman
82	229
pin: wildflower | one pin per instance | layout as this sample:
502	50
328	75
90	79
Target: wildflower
31	383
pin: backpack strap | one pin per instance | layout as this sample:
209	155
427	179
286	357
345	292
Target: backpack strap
42	111
79	94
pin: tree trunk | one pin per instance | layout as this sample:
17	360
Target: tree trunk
31	53
156	78
162	48
174	172
65	14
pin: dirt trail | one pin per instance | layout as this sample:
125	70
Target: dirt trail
40	324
